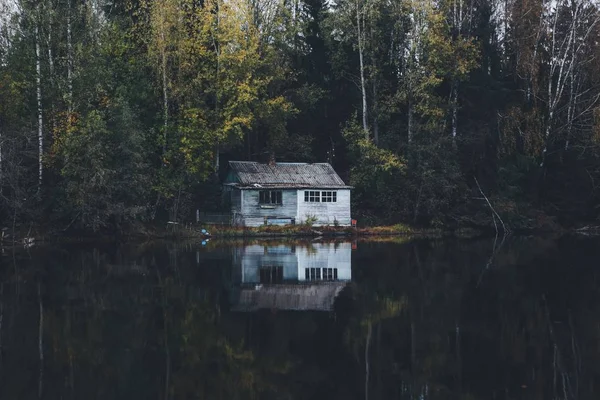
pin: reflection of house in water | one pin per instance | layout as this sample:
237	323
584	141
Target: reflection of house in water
290	277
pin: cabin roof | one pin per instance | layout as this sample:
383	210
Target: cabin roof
252	175
301	297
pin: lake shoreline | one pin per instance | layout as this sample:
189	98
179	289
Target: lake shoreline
173	231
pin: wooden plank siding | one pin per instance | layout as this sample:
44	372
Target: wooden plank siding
254	214
326	213
249	212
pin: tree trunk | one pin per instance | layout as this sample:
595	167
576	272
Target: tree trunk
374	82
362	70
38	70
165	94
410	120
69	65
454	101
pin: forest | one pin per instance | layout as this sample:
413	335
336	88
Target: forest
440	113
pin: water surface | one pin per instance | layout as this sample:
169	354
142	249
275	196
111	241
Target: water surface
441	319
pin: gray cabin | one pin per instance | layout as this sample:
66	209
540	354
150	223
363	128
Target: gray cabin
286	193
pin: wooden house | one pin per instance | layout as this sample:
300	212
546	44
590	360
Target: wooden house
286	193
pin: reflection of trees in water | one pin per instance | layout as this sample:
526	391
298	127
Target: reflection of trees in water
456	338
121	327
419	320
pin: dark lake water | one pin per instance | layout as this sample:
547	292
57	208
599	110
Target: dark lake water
423	319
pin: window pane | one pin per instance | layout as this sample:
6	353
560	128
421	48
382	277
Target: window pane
334	195
306	276
306	195
279	197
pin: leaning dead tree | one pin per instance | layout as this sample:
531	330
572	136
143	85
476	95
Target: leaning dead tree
495	214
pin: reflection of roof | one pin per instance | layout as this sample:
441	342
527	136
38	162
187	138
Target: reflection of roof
285	175
314	296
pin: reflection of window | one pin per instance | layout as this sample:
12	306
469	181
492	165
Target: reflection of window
329	274
311	196
315	274
329	197
271	274
269	197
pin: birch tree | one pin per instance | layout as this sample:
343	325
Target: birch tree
38	80
164	28
349	25
568	27
360	32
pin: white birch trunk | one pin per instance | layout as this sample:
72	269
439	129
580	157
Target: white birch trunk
48	11
454	109
374	103
38	70
69	64
362	70
165	95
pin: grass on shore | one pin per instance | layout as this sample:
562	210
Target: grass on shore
297	231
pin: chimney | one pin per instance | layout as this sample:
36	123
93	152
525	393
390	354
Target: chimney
271	159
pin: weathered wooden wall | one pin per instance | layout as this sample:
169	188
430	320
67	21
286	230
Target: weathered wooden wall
326	213
247	211
254	214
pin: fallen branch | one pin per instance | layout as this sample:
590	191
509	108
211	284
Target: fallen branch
504	230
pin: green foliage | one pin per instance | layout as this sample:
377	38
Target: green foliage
310	219
143	101
375	173
104	171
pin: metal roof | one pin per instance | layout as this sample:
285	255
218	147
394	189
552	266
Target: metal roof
285	175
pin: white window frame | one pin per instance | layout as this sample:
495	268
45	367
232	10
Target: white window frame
328	196
312	196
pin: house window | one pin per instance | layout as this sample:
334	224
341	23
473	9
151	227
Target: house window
329	197
315	274
271	274
312	196
269	197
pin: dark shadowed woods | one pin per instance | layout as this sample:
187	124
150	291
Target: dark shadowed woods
114	113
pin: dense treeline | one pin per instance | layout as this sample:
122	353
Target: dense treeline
121	111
